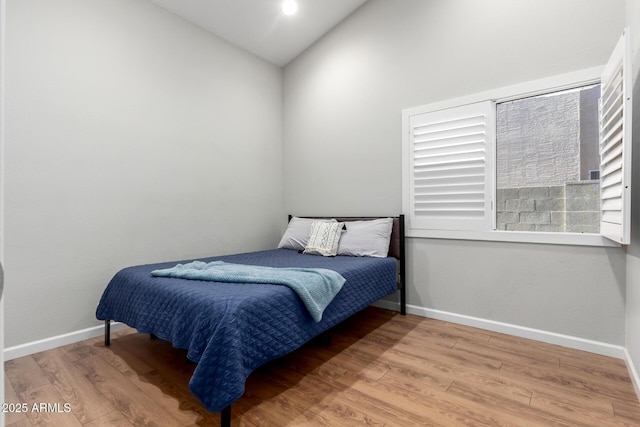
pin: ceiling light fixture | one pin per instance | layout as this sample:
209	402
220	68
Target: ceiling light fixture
289	7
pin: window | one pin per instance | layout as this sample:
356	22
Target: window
546	154
546	161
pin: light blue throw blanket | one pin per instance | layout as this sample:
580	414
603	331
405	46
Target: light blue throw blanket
315	286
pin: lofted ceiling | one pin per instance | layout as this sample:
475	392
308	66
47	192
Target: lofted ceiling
260	27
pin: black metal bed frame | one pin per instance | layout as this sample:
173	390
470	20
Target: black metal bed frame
225	414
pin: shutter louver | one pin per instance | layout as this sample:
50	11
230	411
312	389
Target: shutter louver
449	168
615	144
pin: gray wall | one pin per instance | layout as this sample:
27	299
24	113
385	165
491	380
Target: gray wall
343	100
131	137
2	40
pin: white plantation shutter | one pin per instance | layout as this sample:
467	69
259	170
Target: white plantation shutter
615	144
449	168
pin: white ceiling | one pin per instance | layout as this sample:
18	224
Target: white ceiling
260	27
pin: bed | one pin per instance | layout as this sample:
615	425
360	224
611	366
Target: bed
230	329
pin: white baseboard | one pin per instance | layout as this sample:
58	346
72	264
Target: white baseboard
515	330
633	372
490	325
58	341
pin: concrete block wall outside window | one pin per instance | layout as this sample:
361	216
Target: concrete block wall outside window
573	208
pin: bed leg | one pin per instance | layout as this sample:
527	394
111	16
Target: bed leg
107	333
403	268
324	339
225	417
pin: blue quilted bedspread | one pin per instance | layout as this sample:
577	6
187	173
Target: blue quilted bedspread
230	329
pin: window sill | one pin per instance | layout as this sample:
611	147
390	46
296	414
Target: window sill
516	237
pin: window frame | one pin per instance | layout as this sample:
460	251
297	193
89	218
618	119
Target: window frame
542	86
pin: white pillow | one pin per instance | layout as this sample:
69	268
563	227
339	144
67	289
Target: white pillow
324	238
296	235
366	238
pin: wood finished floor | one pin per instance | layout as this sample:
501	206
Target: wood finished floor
381	369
